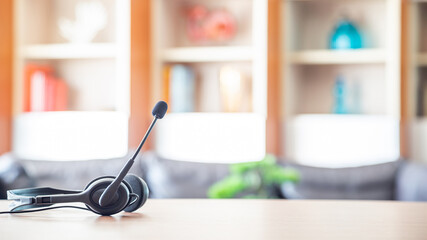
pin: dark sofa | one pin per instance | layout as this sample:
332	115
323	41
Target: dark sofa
398	180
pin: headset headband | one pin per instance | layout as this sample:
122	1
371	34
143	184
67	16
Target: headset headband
25	198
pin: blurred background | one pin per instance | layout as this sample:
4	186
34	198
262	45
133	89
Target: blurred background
267	98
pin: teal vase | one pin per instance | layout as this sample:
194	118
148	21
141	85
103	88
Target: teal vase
346	36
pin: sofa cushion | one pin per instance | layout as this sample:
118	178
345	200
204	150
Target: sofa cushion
168	178
374	182
75	174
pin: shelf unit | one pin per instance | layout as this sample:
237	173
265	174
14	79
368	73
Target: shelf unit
315	136
97	75
417	65
210	134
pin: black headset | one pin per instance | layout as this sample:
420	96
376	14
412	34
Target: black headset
105	195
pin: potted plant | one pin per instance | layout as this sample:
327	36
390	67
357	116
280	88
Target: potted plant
253	180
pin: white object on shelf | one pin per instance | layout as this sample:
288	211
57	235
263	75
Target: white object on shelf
342	140
207	54
355	56
63	136
69	51
211	137
90	18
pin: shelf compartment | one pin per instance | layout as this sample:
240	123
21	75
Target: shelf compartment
313	88
212	137
69	51
207	54
38	20
329	140
310	24
70	135
422	59
207	87
170	21
359	56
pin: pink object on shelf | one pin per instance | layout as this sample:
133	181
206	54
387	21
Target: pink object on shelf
204	26
220	25
197	13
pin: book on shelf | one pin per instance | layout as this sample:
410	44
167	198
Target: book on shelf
166	80
227	91
61	95
179	87
43	91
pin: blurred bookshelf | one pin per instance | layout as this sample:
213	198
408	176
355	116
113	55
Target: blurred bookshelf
228	78
89	77
318	81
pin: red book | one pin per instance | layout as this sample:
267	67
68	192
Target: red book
38	91
50	93
166	80
61	96
30	69
42	91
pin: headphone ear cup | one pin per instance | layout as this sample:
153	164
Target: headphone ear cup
97	186
140	188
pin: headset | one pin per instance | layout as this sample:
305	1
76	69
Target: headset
106	195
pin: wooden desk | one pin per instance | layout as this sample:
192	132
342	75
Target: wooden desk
227	219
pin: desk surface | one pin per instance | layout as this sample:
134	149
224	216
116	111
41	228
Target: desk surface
227	219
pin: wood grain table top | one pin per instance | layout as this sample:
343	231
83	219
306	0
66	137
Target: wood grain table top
227	219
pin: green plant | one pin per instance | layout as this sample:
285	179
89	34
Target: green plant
253	180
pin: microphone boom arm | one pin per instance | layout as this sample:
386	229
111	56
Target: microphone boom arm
109	192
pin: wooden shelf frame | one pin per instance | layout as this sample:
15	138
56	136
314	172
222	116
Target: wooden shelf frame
6	74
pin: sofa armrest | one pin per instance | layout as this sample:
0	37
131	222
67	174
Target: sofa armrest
411	182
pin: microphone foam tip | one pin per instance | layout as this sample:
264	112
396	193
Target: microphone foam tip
160	109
